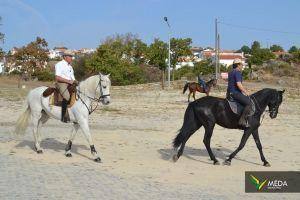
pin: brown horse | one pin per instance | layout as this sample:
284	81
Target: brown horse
196	87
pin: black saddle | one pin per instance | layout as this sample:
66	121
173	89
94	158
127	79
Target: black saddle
238	108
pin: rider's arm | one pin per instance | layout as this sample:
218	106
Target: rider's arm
63	80
242	89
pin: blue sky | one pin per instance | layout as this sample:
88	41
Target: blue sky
85	23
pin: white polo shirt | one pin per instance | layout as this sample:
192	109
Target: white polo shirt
64	70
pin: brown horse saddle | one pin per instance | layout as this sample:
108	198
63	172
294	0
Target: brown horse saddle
56	98
238	108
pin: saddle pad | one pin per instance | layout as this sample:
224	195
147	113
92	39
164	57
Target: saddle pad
54	102
238	108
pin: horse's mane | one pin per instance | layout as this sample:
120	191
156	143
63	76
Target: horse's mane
263	91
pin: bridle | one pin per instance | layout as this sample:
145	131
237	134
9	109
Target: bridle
97	100
272	110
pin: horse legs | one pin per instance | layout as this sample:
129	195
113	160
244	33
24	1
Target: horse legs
189	96
72	137
44	118
240	147
259	146
206	141
194	95
86	131
35	117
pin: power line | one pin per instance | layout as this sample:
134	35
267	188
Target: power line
258	29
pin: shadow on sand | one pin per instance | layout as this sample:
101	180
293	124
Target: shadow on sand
197	154
55	145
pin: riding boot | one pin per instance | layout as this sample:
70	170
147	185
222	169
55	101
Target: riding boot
244	117
64	106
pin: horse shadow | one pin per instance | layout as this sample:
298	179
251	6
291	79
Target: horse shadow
52	144
197	154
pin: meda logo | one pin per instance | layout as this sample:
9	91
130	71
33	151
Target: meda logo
258	184
277	184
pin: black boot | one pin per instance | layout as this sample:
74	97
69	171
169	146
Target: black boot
64	106
243	119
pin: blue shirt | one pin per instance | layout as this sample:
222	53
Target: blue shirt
233	77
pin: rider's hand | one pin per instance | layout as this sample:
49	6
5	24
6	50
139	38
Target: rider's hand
75	82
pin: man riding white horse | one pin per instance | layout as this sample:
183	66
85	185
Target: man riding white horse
64	77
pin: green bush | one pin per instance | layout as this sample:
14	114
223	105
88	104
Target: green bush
184	72
44	75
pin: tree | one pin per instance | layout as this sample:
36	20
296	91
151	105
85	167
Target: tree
275	48
293	49
32	57
180	47
255	46
245	49
116	55
157	55
260	55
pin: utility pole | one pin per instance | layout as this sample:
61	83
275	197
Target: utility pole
216	47
219	70
169	60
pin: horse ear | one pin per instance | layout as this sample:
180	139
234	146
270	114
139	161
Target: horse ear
100	74
282	91
108	75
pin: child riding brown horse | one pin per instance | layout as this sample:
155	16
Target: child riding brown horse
196	87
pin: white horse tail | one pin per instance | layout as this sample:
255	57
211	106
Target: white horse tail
22	122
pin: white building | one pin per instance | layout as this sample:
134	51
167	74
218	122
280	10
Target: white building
1	67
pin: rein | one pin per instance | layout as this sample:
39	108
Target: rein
262	111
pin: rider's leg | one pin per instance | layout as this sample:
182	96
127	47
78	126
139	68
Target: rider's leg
63	89
244	100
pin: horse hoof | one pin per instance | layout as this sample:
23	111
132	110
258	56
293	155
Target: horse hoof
266	164
39	151
98	160
227	162
175	158
216	162
68	155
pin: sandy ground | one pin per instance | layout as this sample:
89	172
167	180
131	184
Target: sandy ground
134	134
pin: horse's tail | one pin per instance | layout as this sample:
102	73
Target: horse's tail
22	122
185	87
190	125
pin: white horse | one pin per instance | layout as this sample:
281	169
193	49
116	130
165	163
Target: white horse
95	88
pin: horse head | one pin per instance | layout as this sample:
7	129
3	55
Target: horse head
104	88
274	103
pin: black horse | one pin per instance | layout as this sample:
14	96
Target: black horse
208	111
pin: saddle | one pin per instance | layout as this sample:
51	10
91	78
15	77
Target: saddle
56	98
238	108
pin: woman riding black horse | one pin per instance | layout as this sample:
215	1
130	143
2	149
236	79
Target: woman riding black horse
209	111
236	90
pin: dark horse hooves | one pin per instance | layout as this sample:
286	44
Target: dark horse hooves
39	151
227	162
175	158
216	162
98	160
68	155
266	164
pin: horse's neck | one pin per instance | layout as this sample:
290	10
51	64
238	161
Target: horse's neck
262	101
88	87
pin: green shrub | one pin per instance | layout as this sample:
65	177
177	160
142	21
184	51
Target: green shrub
44	75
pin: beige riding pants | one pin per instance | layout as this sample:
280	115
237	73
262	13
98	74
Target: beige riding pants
63	89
